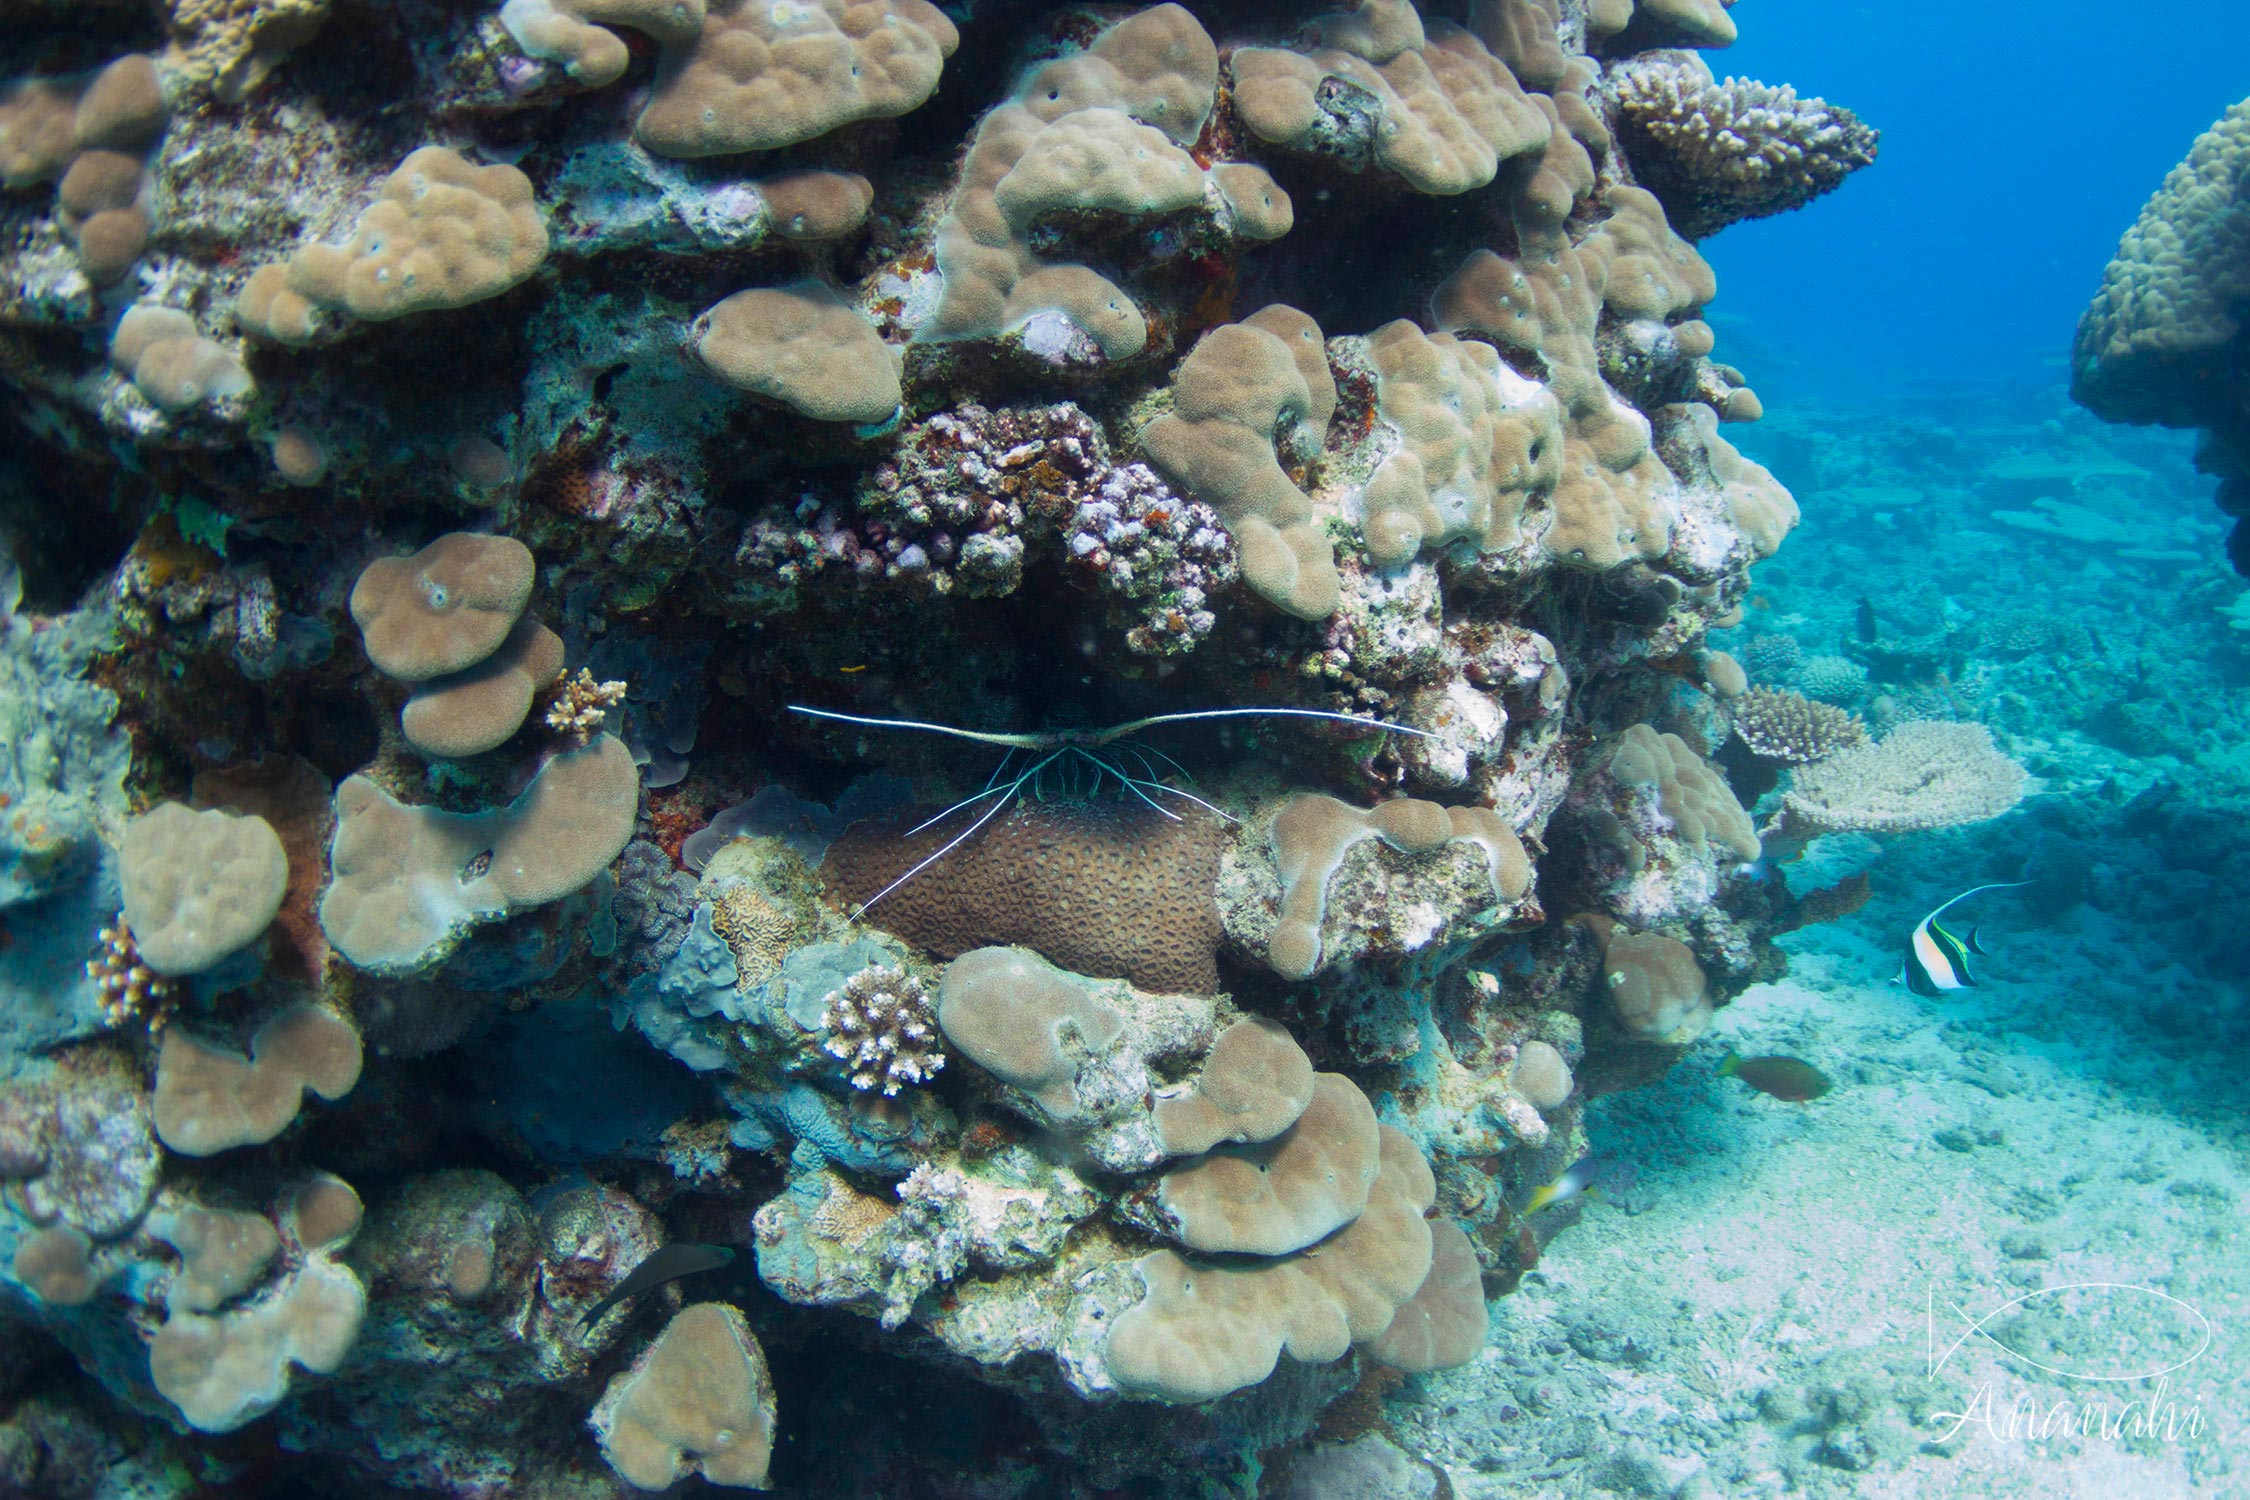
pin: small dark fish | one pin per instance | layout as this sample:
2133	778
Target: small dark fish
1937	960
1790	1078
668	1264
1864	620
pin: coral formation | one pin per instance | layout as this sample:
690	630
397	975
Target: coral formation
608	637
1920	775
1420	98
1112	889
1243	389
209	1101
2162	339
91	136
170	361
750	77
697	1401
407	881
804	346
441	233
1313	834
882	1025
1718	153
1779	724
199	885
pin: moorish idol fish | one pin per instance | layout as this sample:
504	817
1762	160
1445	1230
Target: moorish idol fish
1937	961
667	1264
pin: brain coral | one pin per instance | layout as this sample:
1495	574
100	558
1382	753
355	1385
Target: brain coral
441	233
1108	888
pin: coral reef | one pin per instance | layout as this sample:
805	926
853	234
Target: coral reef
575	549
2162	339
1718	153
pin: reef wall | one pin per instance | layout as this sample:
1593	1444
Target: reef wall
454	440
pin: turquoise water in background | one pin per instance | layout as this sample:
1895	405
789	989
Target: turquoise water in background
1751	1309
2020	138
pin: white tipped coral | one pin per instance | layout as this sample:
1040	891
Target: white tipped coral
883	1027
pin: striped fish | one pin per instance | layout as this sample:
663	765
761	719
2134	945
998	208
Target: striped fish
1937	960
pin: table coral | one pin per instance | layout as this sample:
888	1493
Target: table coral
1920	775
1719	153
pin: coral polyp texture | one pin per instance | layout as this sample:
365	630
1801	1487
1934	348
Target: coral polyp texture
1717	153
573	557
883	1027
2162	340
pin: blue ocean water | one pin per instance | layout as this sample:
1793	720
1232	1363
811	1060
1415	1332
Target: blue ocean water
1201	1111
1966	255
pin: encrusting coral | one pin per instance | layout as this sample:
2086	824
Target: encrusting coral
441	233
